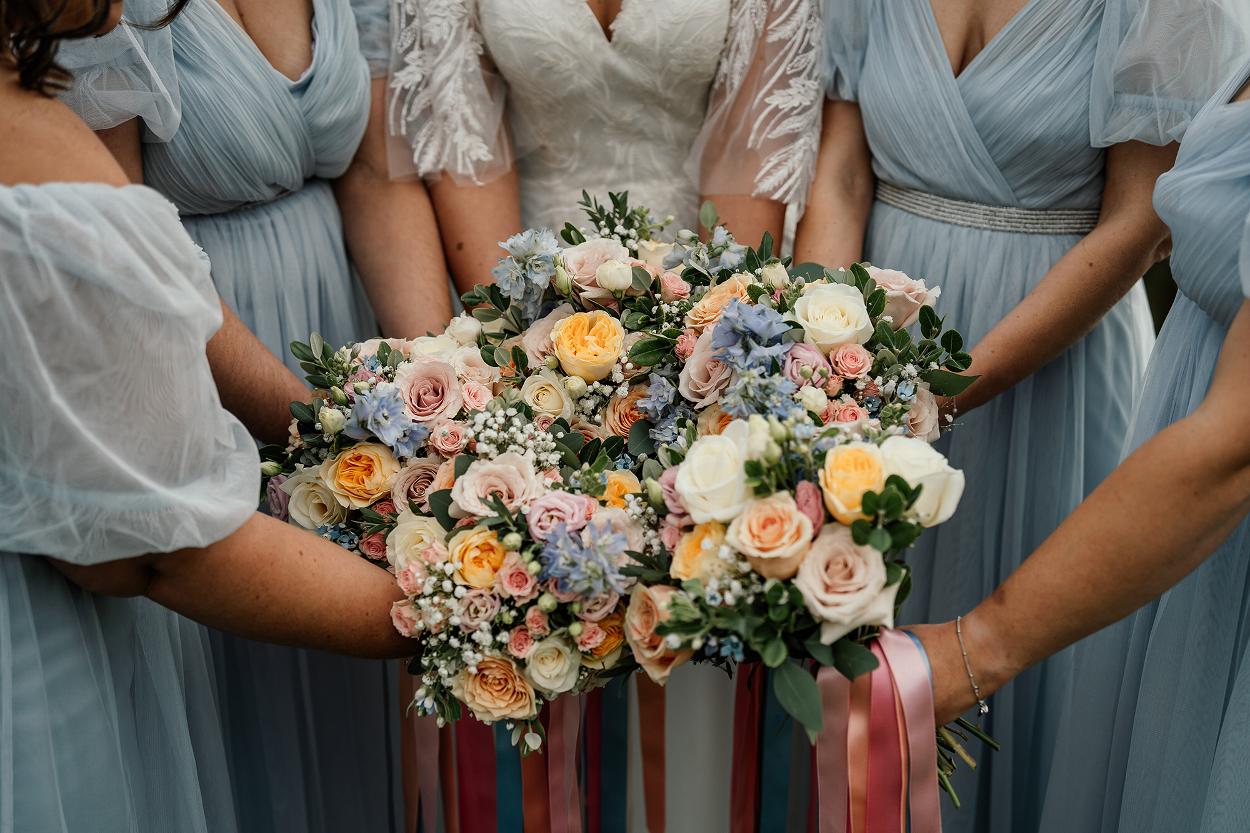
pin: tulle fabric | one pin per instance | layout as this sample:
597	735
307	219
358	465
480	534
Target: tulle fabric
373	25
113	444
1154	736
1017	127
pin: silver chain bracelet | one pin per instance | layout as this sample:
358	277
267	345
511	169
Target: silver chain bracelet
982	706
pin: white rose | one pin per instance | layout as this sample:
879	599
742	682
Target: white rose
434	347
411	537
813	399
331	419
843	584
904	296
312	504
653	253
710	480
614	276
832	314
545	392
920	465
775	276
553	665
464	329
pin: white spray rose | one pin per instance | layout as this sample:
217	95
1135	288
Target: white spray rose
464	329
331	419
919	464
614	276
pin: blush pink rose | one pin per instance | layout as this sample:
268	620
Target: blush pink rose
668	486
476	396
583	261
509	477
429	389
591	637
806	365
673	287
478	607
572	510
703	376
553	587
610	519
670	533
843	411
807	496
544	421
515	581
373	546
520	642
448	438
597	607
405	618
684	348
851	361
536	622
536	340
414	483
411	578
904	296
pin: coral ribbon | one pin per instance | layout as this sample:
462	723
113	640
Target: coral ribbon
745	774
562	737
885	764
651	727
535	806
419	750
832	766
911	676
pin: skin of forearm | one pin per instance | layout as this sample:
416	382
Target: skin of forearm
833	226
252	382
747	218
473	219
392	236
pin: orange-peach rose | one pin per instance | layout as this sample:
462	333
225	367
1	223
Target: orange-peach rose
360	475
773	535
709	308
620	484
605	654
696	554
622	411
648	607
497	691
477	555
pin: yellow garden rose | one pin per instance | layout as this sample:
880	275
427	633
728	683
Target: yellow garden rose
360	475
849	471
696	553
477	555
588	344
709	308
620	484
496	691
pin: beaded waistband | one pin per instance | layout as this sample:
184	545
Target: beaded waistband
990	217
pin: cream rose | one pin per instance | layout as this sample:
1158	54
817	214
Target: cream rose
843	585
922	416
464	329
361	474
832	314
546	394
553	665
588	344
432	347
414	538
773	535
849	471
904	296
711	481
311	503
496	691
653	253
917	462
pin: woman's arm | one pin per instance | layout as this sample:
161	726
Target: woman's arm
832	230
747	218
268	581
473	220
392	236
1156	518
1085	283
126	146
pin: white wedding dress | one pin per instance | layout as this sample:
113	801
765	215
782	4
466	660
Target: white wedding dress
684	98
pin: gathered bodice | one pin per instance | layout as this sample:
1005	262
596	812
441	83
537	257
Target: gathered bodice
248	133
1205	200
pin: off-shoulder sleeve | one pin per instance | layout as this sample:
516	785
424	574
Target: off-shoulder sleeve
846	42
373	23
445	98
1157	63
125	74
114	442
762	128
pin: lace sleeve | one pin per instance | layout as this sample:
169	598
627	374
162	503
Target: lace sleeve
1158	62
762	128
445	99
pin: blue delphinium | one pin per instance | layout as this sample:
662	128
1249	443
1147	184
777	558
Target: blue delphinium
669	428
659	399
380	412
528	269
340	535
730	254
583	568
760	392
750	336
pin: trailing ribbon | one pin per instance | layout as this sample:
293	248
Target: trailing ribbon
832	764
566	719
911	677
651	726
745	773
419	751
475	763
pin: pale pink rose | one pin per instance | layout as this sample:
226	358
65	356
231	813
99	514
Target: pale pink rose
510	477
922	416
668	485
583	261
411	578
520	642
415	482
430	389
558	507
673	287
476	396
591	637
368	348
435	553
703	377
405	618
851	361
515	581
684	348
384	507
648	607
276	498
808	498
553	587
596	608
536	622
904	296
844	584
536	340
670	533
373	546
448	438
471	367
806	365
478	607
444	477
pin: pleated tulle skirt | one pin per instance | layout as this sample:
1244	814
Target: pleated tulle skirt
312	738
1029	456
108	721
1155	735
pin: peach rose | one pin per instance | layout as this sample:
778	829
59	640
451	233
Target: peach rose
448	438
844	412
444	478
712	421
360	475
591	637
496	691
620	484
843	585
588	344
536	622
851	361
849	471
648	607
773	535
430	389
904	296
477	556
605	654
673	287
708	310
697	553
622	411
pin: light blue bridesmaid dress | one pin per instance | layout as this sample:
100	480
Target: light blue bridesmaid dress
1023	130
312	738
1157	735
113	444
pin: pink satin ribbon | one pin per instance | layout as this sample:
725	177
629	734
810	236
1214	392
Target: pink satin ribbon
831	753
566	720
911	678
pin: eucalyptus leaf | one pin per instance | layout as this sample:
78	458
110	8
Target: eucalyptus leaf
853	659
799	695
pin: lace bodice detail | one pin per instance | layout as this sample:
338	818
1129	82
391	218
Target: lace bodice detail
721	96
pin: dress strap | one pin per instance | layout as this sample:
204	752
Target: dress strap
990	217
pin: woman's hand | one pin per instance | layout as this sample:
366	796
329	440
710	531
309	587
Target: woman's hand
952	694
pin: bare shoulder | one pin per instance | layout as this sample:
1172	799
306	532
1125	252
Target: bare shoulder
42	140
